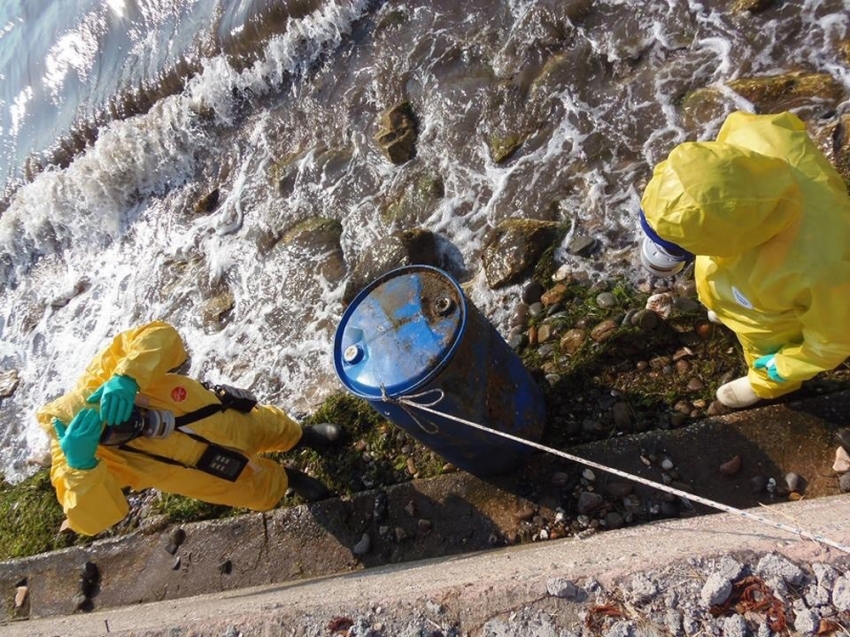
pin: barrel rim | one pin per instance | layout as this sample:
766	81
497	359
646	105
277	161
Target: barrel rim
355	302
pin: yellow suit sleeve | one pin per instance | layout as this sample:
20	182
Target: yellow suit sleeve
90	498
826	340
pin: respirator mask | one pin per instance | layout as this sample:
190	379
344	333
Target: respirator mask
150	423
661	258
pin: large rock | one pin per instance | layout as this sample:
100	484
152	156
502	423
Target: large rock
752	6
320	238
215	310
416	202
397	134
834	140
513	247
410	247
310	164
8	382
808	94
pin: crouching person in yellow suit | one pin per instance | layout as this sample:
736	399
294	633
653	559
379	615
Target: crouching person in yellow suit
131	423
768	219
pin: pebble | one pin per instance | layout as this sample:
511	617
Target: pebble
606	300
21	597
645	320
661	304
842	461
775	566
532	292
716	590
588	502
841	594
695	385
603	331
564	588
363	546
562	273
588	475
703	329
572	340
793	481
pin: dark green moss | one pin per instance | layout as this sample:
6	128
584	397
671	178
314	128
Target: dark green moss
30	517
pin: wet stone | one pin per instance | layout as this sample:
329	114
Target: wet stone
553	295
614	520
695	385
8	382
535	310
645	320
518	341
532	292
603	331
582	246
606	300
545	332
520	316
572	340
844	483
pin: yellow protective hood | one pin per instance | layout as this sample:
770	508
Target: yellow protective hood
717	199
769	220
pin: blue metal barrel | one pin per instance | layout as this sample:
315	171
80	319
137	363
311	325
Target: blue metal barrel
412	334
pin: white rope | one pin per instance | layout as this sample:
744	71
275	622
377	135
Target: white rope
404	402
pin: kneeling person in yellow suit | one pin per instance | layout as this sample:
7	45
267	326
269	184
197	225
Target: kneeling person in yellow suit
98	446
768	219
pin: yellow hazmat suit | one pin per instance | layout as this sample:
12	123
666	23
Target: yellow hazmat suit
93	500
769	220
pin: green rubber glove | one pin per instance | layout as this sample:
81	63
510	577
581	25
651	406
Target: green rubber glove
768	364
116	397
79	440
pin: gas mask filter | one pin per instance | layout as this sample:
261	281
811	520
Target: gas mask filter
661	258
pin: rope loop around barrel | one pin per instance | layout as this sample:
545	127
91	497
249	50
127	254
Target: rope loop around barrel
404	401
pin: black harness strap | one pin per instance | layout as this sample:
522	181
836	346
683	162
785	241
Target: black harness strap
199	414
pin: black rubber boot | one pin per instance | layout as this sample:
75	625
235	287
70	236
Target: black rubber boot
321	436
307	487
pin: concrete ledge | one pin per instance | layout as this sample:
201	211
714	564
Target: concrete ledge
469	589
453	515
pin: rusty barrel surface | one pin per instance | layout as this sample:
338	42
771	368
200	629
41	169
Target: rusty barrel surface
412	334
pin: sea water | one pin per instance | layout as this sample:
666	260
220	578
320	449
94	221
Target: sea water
117	116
